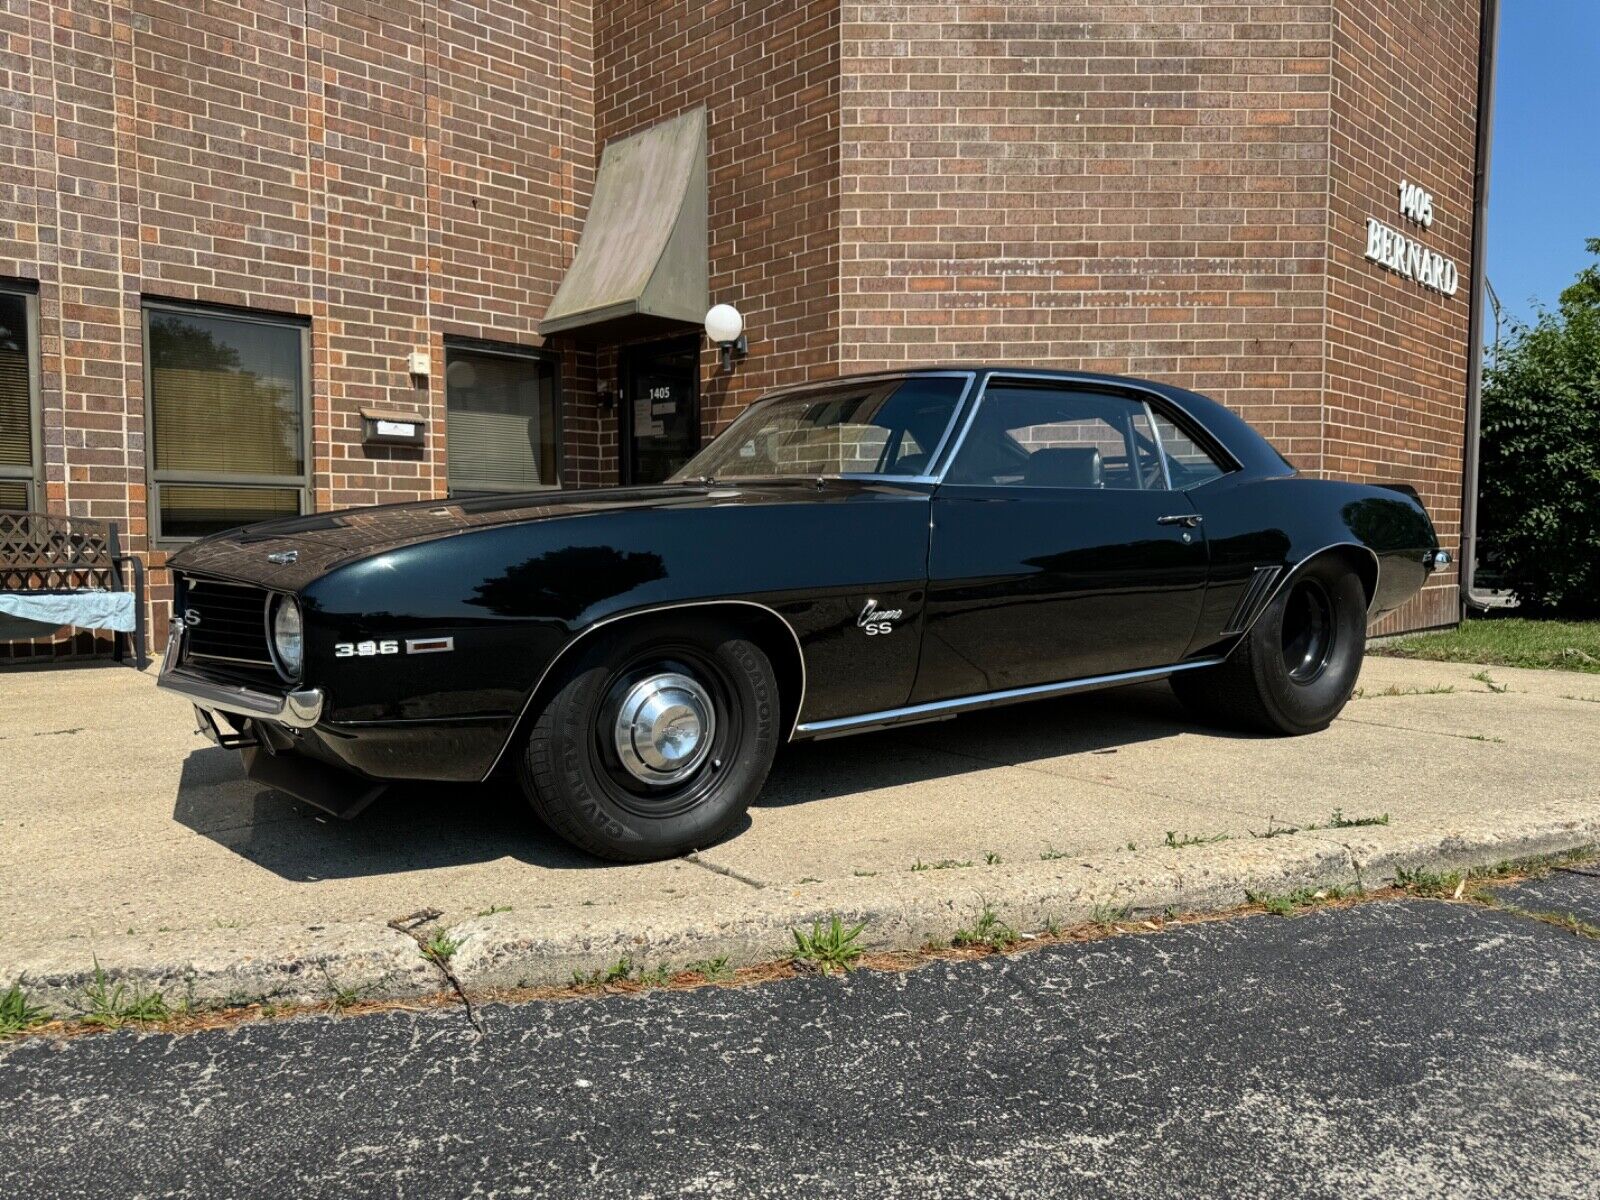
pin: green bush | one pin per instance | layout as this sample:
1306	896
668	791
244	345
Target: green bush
1539	507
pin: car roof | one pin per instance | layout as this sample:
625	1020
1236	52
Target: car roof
1253	452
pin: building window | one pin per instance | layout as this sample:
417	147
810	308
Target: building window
228	421
19	398
501	431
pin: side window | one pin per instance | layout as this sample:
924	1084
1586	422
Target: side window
1060	437
1187	463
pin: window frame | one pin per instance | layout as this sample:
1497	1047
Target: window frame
156	479
32	476
557	412
1153	401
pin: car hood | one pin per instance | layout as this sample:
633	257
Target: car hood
291	552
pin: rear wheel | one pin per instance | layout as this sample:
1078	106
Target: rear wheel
656	742
1296	668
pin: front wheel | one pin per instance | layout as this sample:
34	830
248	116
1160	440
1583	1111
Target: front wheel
656	742
1295	669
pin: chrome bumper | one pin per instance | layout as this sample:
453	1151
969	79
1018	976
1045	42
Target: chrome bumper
299	709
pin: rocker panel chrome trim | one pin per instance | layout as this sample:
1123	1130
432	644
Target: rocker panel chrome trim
642	612
936	709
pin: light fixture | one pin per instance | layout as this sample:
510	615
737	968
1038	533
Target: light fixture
725	327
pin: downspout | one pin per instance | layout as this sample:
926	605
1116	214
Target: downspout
1488	36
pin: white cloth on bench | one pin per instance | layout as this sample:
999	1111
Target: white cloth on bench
86	610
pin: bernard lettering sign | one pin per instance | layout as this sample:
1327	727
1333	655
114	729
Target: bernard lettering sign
1392	249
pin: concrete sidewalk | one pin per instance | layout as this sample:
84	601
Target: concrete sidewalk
128	841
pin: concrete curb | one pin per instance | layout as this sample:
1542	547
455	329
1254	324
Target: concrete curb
901	911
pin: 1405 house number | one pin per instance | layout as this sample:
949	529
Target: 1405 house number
1392	249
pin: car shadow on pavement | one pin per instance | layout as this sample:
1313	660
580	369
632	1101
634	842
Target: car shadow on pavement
411	827
421	826
1102	723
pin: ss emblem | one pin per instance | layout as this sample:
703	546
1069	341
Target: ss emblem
364	649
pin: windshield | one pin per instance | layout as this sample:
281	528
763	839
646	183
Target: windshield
878	427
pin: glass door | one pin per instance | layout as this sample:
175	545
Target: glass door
660	409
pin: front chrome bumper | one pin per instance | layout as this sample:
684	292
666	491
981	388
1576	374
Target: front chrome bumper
300	709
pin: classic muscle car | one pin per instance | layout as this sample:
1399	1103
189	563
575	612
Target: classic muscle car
854	555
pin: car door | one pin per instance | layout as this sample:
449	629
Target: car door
1058	550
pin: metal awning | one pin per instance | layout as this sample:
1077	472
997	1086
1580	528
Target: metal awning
641	261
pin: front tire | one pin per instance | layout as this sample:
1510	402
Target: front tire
1297	666
657	740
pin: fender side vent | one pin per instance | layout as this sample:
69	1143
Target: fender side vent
1256	591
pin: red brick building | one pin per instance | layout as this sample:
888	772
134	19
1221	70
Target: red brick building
308	195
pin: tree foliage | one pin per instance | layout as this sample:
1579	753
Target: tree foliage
1539	508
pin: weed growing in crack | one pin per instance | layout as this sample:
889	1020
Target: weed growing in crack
989	930
18	1013
1175	841
712	970
1050	853
615	973
1275	830
828	948
440	947
493	909
112	1005
1107	915
992	859
944	864
1286	904
1337	820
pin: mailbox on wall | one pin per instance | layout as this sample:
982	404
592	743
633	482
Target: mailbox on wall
384	428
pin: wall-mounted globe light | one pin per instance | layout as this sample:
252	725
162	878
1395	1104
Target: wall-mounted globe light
725	328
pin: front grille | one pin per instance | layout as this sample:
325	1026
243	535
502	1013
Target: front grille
226	627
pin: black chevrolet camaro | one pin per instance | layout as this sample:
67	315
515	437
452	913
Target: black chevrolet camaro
847	556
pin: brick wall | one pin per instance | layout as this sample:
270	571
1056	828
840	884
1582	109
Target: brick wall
1130	188
1395	380
1176	191
1168	189
768	75
395	170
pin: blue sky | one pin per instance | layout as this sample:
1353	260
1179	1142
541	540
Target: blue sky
1544	183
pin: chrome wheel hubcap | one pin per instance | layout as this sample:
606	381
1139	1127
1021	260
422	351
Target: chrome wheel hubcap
664	728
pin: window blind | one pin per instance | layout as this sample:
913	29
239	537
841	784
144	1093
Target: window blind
16	416
225	395
500	422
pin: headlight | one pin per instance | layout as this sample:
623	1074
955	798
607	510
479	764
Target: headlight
288	642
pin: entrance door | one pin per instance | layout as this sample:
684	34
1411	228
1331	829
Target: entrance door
660	409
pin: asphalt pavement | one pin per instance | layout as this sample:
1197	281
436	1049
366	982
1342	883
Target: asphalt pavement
1395	1048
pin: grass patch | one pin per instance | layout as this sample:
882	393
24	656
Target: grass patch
1290	902
944	864
989	930
112	1005
1487	680
829	947
17	1013
1507	642
712	970
1337	820
1177	841
991	859
617	972
1107	915
1394	689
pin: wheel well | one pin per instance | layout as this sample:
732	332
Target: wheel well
758	623
1360	560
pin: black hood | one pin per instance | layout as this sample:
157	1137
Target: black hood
322	541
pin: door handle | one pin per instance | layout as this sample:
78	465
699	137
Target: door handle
1187	520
